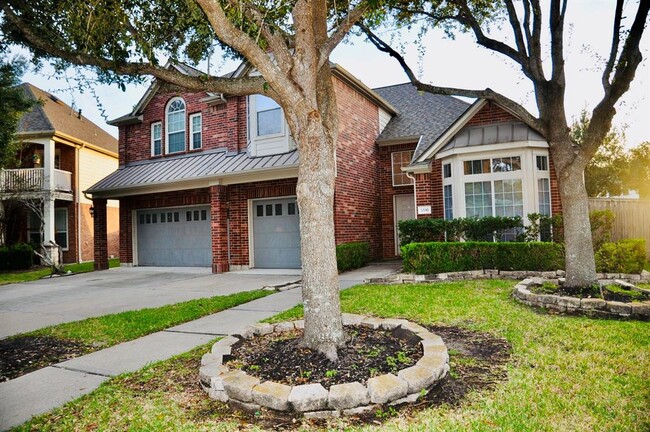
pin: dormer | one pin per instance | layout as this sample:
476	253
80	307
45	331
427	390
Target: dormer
268	132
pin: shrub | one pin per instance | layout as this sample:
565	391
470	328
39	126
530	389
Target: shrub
624	256
434	257
350	256
473	229
602	222
16	257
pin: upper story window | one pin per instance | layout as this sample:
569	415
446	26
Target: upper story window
479	166
176	126
400	160
156	139
268	116
446	170
542	163
196	131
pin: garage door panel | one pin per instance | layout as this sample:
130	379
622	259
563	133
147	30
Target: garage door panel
276	231
182	240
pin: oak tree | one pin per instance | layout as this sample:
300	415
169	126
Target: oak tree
536	45
288	42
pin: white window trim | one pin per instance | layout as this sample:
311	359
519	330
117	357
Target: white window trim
167	126
67	227
253	117
192	131
153	125
392	163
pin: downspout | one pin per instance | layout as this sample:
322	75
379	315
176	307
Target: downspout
78	199
415	192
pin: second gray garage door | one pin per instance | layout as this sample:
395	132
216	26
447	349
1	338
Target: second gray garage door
174	237
276	233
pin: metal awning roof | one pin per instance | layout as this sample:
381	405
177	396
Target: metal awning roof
204	165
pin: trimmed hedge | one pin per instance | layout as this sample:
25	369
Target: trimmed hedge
18	256
350	256
624	256
436	257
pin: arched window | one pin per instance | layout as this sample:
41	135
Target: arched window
176	125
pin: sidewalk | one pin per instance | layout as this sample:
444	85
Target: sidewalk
53	386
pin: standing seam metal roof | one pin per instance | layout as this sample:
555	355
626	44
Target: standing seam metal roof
190	167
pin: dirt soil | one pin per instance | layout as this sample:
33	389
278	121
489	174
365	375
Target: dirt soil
22	355
368	353
478	362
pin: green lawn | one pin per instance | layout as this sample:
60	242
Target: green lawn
565	373
41	272
116	328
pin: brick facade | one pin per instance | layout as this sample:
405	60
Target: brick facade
386	193
491	114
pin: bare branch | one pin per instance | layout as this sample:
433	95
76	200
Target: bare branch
341	31
616	37
556	22
516	27
239	86
487	94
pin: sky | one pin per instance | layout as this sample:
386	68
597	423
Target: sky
457	63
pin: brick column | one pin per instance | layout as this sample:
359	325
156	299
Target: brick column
100	234
219	228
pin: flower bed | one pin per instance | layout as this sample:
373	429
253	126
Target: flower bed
243	391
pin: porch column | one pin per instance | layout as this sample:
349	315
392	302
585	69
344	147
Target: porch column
48	188
219	228
100	234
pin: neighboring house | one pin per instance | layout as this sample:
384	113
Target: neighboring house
63	153
210	179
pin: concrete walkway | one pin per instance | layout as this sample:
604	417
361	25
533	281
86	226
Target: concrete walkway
33	305
48	388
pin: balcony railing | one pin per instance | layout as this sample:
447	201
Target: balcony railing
33	179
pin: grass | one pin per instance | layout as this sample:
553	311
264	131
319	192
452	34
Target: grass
41	272
116	328
566	373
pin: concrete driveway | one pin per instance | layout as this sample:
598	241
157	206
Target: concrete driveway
33	305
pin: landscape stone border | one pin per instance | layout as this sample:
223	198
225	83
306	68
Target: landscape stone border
246	392
398	278
588	306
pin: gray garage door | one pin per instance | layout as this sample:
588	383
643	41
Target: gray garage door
174	237
276	231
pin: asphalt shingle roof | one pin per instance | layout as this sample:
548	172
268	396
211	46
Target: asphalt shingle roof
420	114
54	115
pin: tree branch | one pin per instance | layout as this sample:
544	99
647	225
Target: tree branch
239	86
341	31
516	28
487	94
616	37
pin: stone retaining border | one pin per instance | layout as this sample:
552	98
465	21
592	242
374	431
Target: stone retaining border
588	306
499	274
245	392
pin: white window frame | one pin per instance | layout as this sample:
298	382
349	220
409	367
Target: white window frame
167	133
59	210
194	132
392	168
153	147
253	117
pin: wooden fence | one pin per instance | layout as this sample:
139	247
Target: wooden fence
632	218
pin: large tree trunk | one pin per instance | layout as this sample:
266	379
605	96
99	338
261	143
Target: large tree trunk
579	252
316	138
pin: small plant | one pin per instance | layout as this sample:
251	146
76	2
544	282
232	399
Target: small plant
373	372
388	412
331	373
403	358
391	362
254	368
305	374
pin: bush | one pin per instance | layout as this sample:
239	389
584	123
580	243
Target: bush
16	257
624	256
350	256
473	229
434	257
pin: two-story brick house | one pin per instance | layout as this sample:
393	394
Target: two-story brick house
63	153
210	179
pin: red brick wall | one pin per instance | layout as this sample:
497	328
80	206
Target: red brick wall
386	193
556	202
356	199
490	113
224	126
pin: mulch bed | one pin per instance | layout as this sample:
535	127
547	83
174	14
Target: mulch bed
620	294
21	355
368	353
478	362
